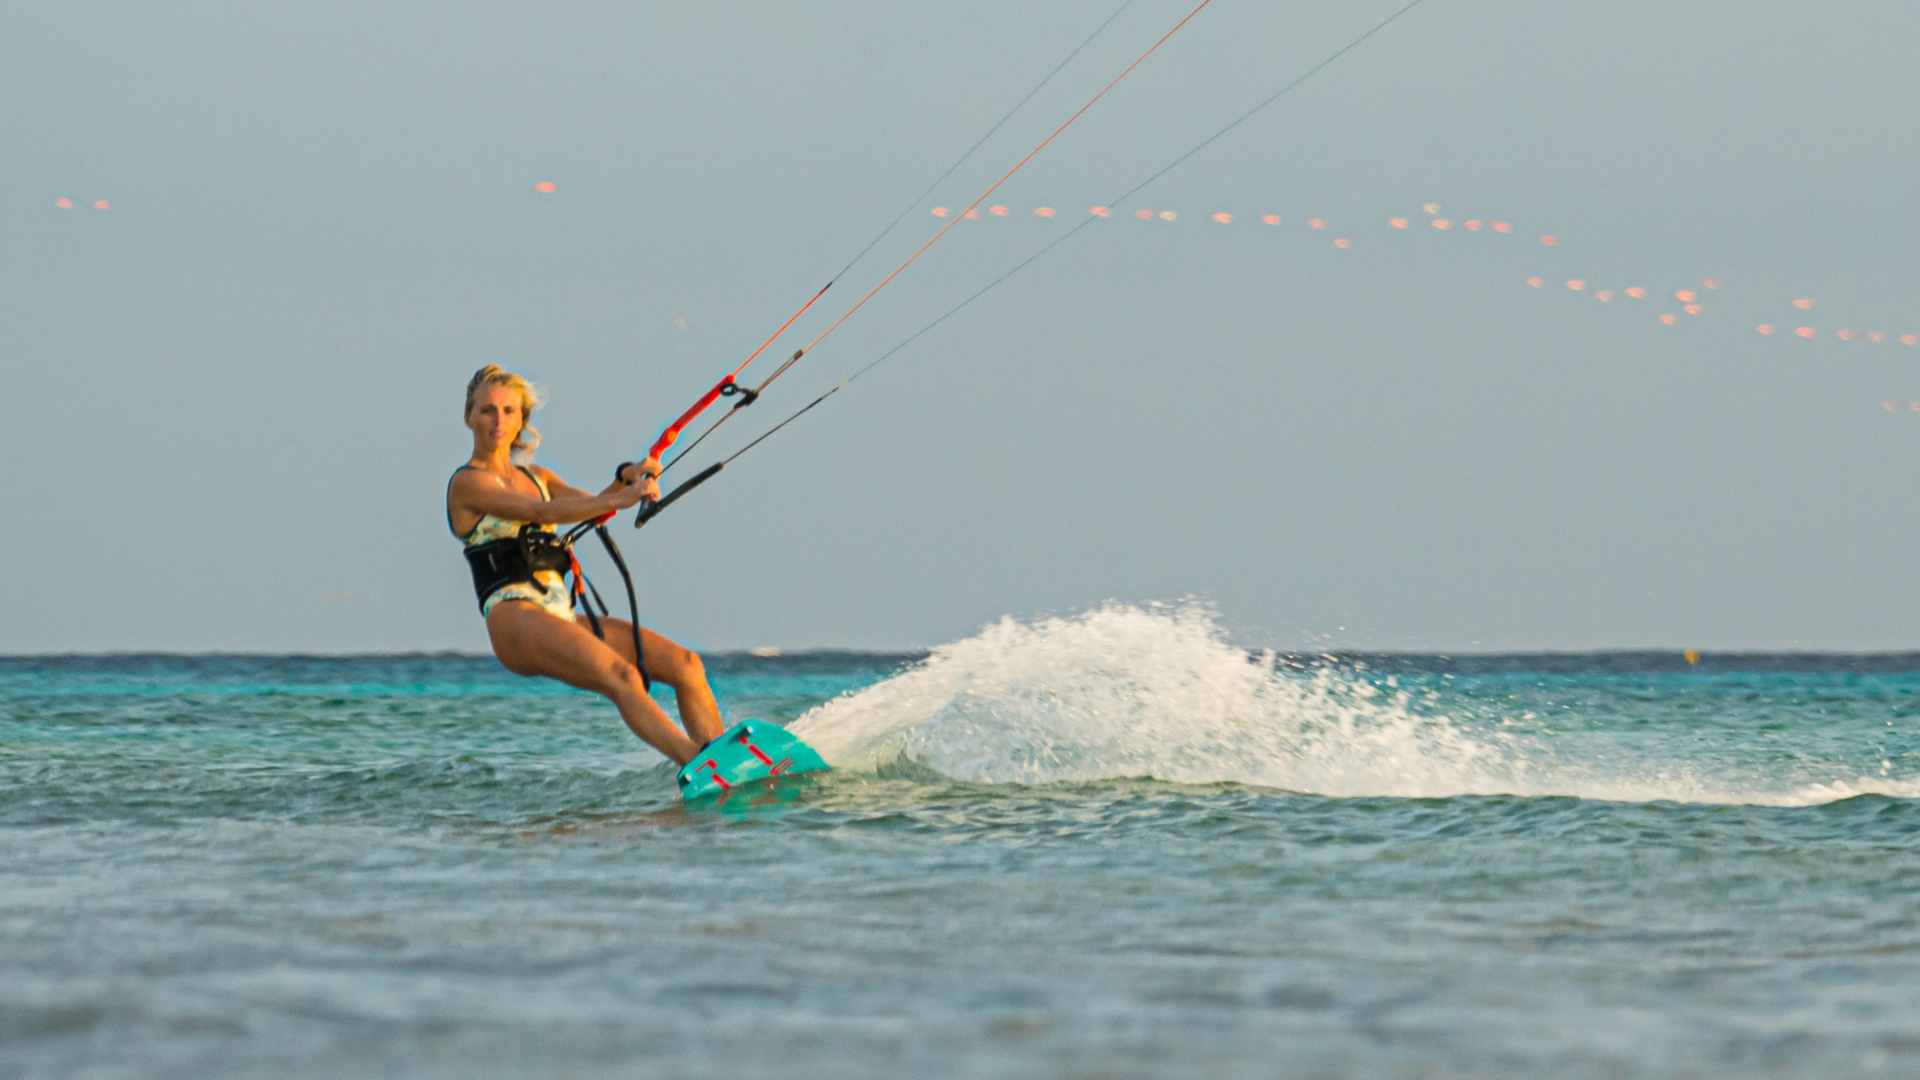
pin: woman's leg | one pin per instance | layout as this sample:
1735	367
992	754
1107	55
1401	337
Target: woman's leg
530	641
675	665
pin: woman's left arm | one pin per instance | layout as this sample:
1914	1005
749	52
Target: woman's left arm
643	472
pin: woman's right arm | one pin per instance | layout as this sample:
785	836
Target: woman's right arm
482	493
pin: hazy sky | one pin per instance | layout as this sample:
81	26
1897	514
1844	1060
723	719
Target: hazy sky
238	388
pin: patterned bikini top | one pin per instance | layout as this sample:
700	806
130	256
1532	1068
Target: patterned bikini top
494	528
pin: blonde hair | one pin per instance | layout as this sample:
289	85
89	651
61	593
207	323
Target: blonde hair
494	375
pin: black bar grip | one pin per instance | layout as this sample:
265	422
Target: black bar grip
648	510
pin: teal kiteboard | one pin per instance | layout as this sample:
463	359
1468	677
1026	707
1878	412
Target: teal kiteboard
748	751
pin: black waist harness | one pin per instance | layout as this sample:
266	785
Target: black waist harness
499	563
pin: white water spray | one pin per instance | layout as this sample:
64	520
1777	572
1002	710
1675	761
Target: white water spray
1123	691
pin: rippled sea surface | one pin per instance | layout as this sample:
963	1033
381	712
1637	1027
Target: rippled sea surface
1110	845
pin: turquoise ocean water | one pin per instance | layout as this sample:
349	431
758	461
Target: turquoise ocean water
1111	845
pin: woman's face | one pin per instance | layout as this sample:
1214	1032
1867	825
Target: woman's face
496	416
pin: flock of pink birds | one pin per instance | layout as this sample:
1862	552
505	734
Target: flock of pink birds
1690	300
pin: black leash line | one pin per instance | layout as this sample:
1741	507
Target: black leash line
726	387
747	397
1031	259
998	124
1008	175
1128	194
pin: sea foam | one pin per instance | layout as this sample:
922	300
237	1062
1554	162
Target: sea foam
1123	691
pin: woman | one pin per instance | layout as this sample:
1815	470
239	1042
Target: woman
504	511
